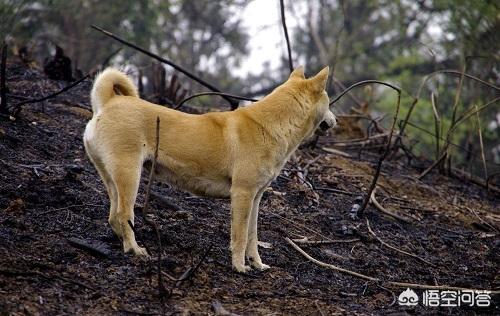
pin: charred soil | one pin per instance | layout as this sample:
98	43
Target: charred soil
50	195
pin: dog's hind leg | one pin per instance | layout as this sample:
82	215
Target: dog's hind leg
113	198
252	251
241	206
110	187
126	176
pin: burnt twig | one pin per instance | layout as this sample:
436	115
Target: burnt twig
161	289
335	191
363	83
189	273
434	164
95	250
222	94
389	141
68	87
301	226
285	29
377	280
306	241
379	207
394	248
165	202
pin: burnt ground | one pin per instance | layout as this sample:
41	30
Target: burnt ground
50	193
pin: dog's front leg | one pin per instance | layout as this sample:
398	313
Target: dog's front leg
252	251
241	206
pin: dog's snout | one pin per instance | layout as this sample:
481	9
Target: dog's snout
324	126
328	122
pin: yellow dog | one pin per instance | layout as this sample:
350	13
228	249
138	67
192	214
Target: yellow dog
223	154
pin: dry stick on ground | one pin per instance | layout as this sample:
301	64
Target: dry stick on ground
336	191
165	202
306	241
336	152
232	102
378	280
482	220
283	22
358	141
302	226
67	207
394	248
379	207
191	270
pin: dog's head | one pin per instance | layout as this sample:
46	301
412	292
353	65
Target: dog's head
314	93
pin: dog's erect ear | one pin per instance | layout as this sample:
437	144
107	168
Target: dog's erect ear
318	82
298	73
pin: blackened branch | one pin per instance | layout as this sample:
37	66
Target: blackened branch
213	93
68	87
285	29
389	140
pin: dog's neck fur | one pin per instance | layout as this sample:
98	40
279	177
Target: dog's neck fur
291	110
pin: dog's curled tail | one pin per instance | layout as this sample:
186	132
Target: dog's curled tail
107	84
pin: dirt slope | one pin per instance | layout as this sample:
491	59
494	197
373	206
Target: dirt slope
49	193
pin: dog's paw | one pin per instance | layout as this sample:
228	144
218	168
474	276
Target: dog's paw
242	268
260	266
136	251
141	252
